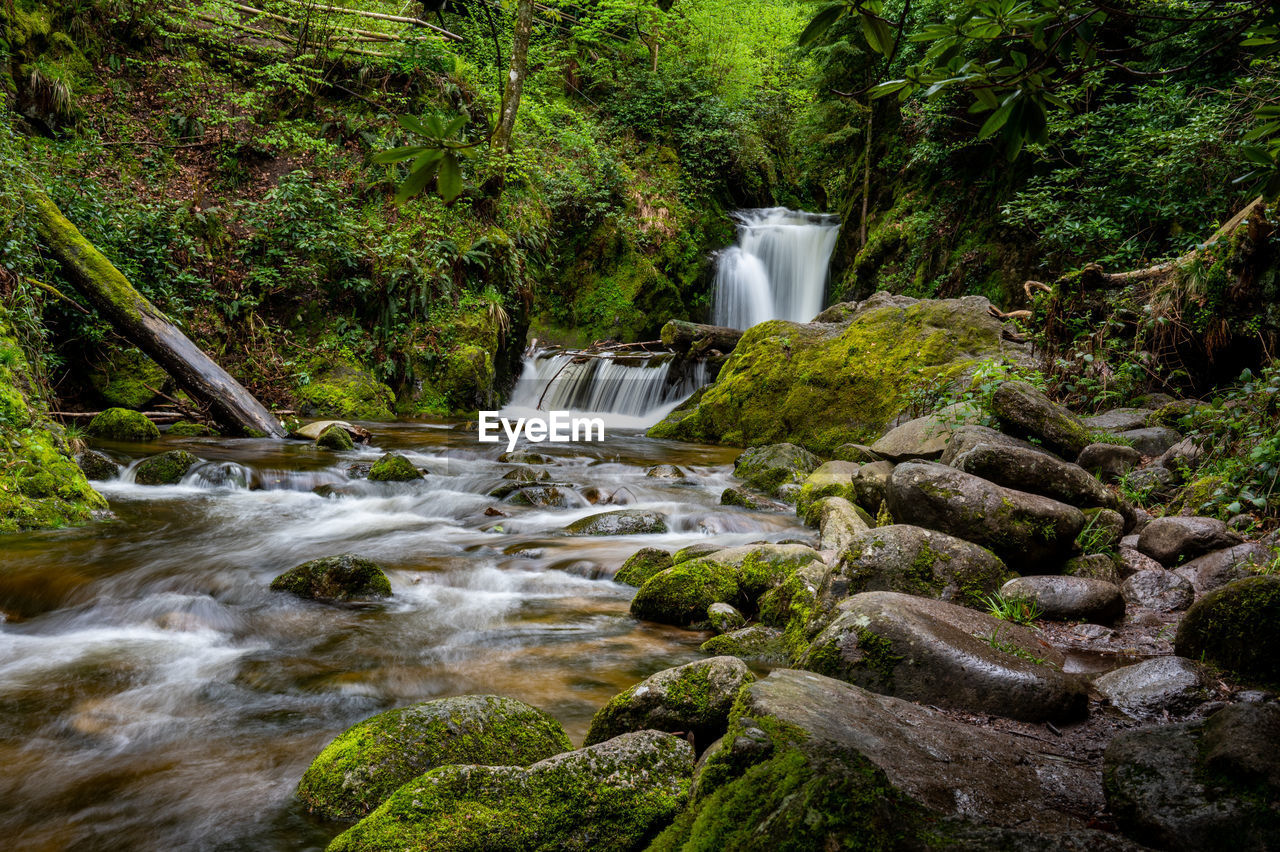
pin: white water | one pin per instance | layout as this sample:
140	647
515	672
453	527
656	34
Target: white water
628	392
778	269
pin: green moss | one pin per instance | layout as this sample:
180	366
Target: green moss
343	391
335	578
393	467
681	594
336	438
642	565
128	379
1236	627
187	429
165	469
121	424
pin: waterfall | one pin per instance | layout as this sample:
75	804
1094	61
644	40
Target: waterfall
778	269
630	391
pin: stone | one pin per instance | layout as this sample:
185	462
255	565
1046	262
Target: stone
1158	589
313	430
1131	560
393	467
1093	566
966	437
1151	440
839	523
830	479
344	390
1216	569
1025	412
614	795
620	522
1036	472
369	761
924	437
725	618
769	467
1064	598
740	497
869	485
856	453
692	699
335	438
335	579
1205	784
525	457
665	471
1119	419
757	644
546	495
694	551
682	594
1154	483
914	560
812	763
167	468
1172	541
97	466
1109	462
940	653
642	565
1025	530
188	429
1103	529
527	475
1151	688
1182	458
121	424
1236	627
127	378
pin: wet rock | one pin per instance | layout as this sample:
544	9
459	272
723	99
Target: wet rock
869	485
1130	561
1215	570
691	699
767	468
1103	529
924	437
642	565
1025	530
839	522
1199	785
121	424
369	761
524	457
1172	541
940	653
1153	687
914	560
545	496
739	497
725	618
393	467
359	470
681	594
1236	627
620	522
1036	472
830	479
526	474
167	468
1063	598
1119	419
665	471
757	644
965	438
1151	440
1025	412
97	466
127	378
335	438
1109	462
694	551
856	453
1182	458
313	430
1093	566
335	579
188	429
1154	482
812	763
1158	589
614	795
761	567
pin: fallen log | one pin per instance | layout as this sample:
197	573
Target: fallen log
693	338
231	406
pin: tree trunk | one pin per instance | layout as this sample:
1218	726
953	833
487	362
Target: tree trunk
695	339
515	79
139	321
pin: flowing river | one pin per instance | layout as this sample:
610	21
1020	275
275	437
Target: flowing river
154	694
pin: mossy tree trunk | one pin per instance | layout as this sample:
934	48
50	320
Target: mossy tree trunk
234	408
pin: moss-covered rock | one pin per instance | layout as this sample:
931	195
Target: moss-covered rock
393	467
335	578
458	373
823	385
167	468
344	391
1025	412
693	699
642	565
336	438
740	497
187	429
1236	627
610	797
694	551
127	378
681	594
97	466
620	522
121	424
725	618
757	644
367	763
769	468
830	479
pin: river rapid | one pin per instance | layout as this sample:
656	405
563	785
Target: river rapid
154	694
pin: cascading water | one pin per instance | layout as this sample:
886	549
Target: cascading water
629	391
778	269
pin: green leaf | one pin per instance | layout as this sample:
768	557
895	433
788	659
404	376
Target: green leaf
396	155
449	184
414	183
413	125
877	33
426	158
996	120
821	23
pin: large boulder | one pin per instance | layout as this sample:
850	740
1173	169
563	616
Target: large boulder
914	560
344	390
642	565
1151	688
610	796
1215	570
1206	784
823	385
966	437
1119	419
830	479
869	484
757	643
1025	530
1172	541
771	467
681	594
692	699
335	578
924	437
127	378
369	761
121	424
393	467
335	438
1150	440
1027	413
1236	627
839	523
812	763
1065	598
1109	462
1036	472
167	468
620	522
1158	589
940	653
97	466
